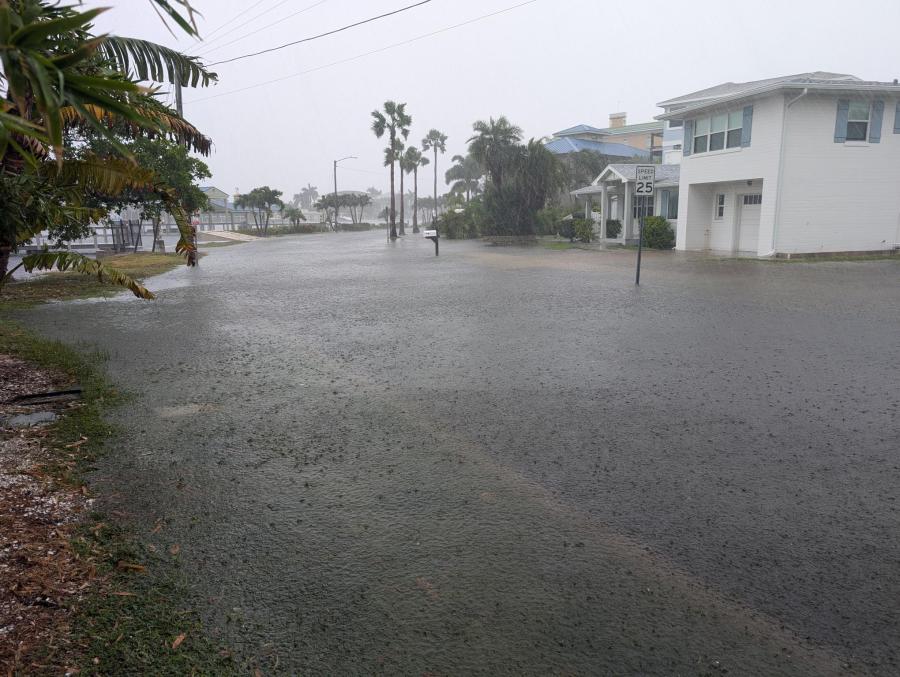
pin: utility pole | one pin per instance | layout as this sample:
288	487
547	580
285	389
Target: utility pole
349	157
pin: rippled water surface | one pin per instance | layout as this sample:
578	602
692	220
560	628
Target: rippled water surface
511	461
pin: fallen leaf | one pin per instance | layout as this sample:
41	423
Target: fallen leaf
124	594
175	549
127	566
78	443
257	673
178	640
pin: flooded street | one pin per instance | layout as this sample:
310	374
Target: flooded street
512	461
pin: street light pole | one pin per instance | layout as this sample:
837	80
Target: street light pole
349	157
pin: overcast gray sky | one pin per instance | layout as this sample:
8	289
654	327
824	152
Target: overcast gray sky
546	66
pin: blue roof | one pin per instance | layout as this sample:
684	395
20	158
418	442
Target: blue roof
581	129
569	145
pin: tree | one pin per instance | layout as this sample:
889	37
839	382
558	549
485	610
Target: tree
60	79
412	160
532	175
260	201
395	122
464	176
171	163
493	145
307	196
293	214
401	162
435	141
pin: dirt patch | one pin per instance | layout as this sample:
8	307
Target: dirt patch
40	575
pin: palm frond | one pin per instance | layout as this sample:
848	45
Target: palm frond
188	23
144	60
79	263
163	122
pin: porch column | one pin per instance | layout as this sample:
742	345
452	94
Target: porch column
604	209
587	207
628	220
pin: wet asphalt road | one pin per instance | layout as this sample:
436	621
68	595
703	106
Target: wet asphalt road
511	461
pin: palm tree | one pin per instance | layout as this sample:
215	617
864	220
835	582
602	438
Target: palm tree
412	160
464	175
307	196
395	121
60	78
492	143
436	141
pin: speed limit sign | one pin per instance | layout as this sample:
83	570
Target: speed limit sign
644	179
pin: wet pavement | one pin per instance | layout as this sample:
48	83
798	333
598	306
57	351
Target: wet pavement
512	461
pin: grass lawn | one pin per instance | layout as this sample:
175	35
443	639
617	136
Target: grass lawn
57	286
131	620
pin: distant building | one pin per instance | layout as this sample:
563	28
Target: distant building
218	199
619	141
797	164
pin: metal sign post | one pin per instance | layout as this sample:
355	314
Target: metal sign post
645	177
433	236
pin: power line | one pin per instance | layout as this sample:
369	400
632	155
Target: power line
322	35
365	54
200	41
274	23
205	46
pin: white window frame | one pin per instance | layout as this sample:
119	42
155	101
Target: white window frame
867	120
727	131
719	207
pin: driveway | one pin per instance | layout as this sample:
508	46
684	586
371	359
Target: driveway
512	461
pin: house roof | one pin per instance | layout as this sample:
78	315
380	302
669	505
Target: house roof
568	144
210	189
652	126
666	177
730	92
732	88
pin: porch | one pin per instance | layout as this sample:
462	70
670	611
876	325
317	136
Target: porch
613	192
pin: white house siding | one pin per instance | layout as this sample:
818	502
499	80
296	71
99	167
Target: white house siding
837	196
734	167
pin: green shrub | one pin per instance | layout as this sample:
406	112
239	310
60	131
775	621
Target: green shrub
658	233
613	227
584	230
549	220
460	225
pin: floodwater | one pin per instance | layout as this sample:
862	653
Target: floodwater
512	461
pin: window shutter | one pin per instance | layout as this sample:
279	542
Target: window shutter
875	122
897	119
747	129
840	123
688	144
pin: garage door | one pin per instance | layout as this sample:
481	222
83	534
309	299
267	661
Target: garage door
748	224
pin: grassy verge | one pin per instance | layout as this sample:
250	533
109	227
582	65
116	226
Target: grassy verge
66	286
132	619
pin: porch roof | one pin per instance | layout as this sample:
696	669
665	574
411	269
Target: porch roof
666	177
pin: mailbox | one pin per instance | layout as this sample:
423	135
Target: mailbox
433	236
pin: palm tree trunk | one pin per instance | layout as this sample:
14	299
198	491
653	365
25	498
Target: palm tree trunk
402	203
435	181
393	206
416	200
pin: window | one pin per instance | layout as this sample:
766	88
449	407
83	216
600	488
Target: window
642	205
675	123
672	211
718	132
753	199
720	206
858	121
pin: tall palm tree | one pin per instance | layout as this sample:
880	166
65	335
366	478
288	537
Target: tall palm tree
435	141
464	175
492	144
394	121
412	160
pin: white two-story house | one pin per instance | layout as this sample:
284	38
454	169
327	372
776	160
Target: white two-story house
800	164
